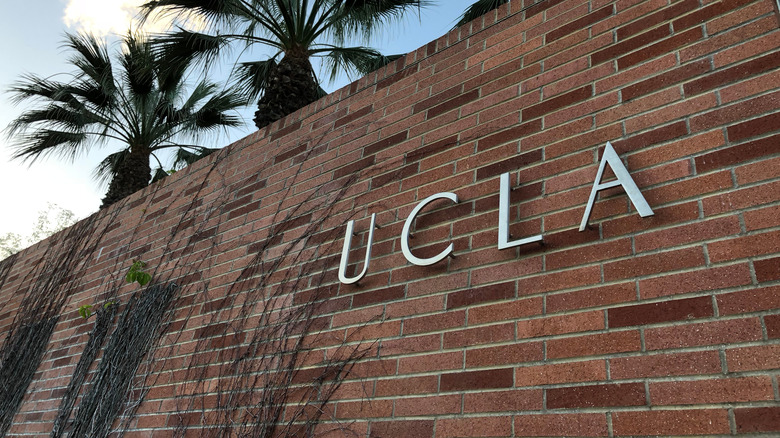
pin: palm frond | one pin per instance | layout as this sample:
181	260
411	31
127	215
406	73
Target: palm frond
109	166
158	173
92	60
184	157
31	86
138	65
215	113
362	60
53	115
251	78
184	45
362	17
214	12
478	9
44	142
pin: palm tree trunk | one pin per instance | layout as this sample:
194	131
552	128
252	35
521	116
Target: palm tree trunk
132	174
292	86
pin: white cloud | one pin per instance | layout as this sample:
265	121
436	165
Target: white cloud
103	17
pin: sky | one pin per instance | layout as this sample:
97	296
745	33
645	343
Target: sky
31	35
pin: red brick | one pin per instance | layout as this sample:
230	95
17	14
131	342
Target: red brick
612	395
505	354
737	154
767	269
696	281
559	280
734	37
652	137
762	357
674	42
557	102
377	408
659	365
653	155
561	424
765	419
410	428
592	297
509	164
676	111
570	372
735	112
738	17
629	45
675	422
666	79
480	295
468	380
506	311
431	362
479	335
754	127
711	391
654	264
650	20
683	234
746	301
707	12
772	323
357	114
762	218
503	401
431	405
510	134
707	333
441	321
556	325
378	296
747	246
588	254
741	199
732	74
519	268
453	103
652	313
580	23
474	426
594	345
406	386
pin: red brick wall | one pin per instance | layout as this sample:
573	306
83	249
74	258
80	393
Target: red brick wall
666	325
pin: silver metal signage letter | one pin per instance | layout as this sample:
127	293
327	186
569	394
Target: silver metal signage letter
623	179
345	252
408	225
503	218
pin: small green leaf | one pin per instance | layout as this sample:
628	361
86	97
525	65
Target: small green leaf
143	278
85	311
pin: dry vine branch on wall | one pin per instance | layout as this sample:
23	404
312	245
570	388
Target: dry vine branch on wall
50	282
257	337
259	354
136	332
103	321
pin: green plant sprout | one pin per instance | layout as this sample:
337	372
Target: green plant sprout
85	311
137	275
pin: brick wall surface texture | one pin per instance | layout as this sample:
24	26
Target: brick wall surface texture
664	325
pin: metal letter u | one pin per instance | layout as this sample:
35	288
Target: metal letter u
345	252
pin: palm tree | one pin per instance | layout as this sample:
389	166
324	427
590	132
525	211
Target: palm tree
297	30
142	104
478	9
